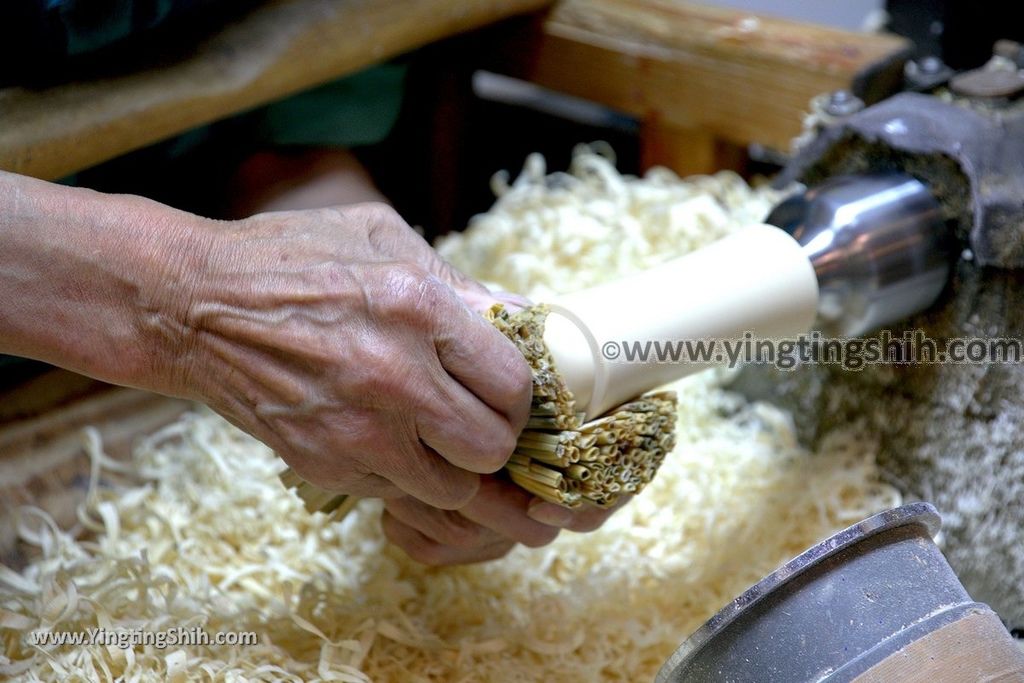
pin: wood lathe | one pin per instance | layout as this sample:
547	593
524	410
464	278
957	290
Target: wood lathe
879	602
893	194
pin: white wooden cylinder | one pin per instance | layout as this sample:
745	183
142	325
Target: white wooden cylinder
757	280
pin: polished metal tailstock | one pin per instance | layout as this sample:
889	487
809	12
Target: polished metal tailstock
878	244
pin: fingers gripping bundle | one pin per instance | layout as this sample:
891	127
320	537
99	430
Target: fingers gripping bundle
559	457
565	460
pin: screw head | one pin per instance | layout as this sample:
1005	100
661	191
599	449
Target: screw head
930	65
843	103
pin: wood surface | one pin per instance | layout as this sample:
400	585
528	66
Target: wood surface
736	76
279	48
976	647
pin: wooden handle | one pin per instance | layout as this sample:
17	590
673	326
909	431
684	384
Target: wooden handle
976	647
757	280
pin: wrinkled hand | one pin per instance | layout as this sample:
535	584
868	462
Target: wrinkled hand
338	337
342	340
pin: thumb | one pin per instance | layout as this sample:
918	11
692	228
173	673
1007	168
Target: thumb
481	300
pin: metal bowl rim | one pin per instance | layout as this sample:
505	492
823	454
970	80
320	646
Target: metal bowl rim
921	514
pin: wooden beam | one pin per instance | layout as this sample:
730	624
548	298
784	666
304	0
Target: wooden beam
737	76
279	48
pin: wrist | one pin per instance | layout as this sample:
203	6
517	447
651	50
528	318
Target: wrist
96	283
171	262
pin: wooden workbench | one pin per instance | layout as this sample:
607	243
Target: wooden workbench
696	74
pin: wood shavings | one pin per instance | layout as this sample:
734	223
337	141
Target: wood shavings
194	545
549	234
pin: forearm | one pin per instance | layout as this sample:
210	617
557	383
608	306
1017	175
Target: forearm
95	283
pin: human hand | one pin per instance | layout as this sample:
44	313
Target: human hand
343	341
338	337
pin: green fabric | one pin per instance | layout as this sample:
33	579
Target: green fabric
84	37
357	110
88	25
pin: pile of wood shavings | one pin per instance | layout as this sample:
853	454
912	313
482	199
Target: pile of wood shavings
209	538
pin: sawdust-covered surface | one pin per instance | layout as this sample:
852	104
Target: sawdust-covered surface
949	434
209	537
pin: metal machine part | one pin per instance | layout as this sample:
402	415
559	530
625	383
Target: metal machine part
876	598
842	103
967	153
998	87
926	74
878	245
